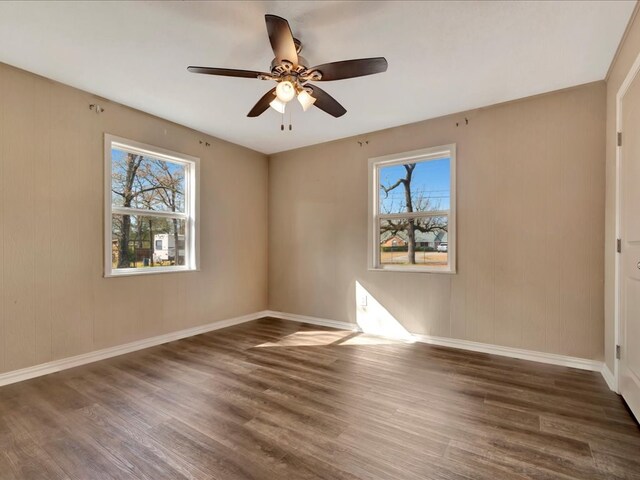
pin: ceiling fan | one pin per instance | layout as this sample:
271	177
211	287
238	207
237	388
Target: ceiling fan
289	69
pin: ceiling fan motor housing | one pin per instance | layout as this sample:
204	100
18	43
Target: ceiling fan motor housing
285	67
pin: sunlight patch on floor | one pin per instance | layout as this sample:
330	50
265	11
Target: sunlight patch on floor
364	339
316	338
309	338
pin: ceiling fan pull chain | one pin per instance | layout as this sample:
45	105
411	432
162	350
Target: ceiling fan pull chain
290	119
282	121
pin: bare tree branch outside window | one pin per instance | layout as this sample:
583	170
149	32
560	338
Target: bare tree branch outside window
401	192
153	185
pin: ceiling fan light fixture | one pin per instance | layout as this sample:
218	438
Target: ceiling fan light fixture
277	105
305	100
285	91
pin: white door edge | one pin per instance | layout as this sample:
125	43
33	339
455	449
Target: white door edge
631	75
618	272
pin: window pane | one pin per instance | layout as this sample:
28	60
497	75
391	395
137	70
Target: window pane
419	241
415	187
146	242
146	182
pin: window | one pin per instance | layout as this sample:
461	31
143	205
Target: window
412	211
150	209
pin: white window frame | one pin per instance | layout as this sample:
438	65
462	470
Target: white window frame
190	215
374	217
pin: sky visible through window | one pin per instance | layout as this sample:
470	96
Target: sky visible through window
431	180
150	188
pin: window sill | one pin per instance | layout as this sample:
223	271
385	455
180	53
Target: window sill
148	271
415	269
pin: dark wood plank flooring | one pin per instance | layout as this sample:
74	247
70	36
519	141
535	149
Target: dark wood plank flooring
273	399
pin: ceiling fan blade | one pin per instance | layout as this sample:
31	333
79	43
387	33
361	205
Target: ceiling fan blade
326	102
351	68
262	105
226	72
281	39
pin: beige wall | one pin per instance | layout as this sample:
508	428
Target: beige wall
530	225
54	302
627	53
531	179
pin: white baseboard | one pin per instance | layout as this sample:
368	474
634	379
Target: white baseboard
542	357
531	355
313	320
70	362
609	378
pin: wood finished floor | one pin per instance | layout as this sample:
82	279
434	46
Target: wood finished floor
280	400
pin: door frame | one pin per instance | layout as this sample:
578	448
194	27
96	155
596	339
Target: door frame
633	72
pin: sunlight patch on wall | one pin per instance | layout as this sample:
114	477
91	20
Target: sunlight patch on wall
373	318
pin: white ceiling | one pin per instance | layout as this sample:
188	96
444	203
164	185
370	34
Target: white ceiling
444	57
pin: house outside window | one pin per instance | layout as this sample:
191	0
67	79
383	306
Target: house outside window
150	209
412	211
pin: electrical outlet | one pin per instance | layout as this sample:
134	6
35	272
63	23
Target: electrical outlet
363	301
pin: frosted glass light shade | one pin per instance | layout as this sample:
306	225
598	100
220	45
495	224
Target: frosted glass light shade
305	100
277	105
285	91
